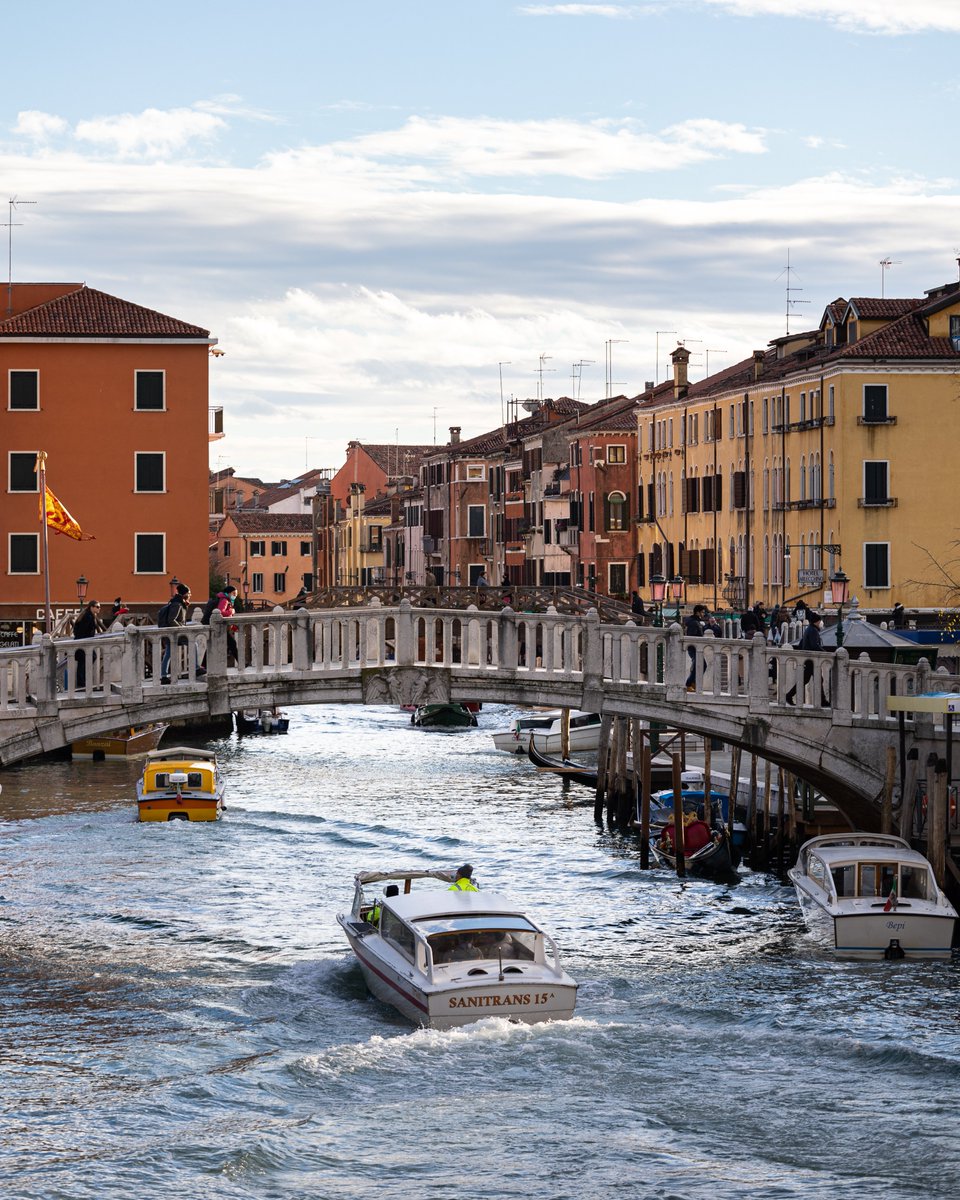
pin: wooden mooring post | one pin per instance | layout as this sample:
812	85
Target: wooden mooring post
645	773
707	801
734	789
678	838
937	818
886	806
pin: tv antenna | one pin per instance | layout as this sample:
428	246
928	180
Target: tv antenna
503	417
13	203
543	358
656	372
885	264
710	351
576	374
608	384
790	289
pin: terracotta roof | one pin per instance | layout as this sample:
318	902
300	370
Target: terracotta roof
906	338
397	460
270	522
869	308
87	312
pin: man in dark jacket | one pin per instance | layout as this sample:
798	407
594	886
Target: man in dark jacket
88	625
693	627
812	642
175	613
752	621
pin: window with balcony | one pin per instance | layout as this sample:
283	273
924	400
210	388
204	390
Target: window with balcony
24	391
876	491
149	471
149	391
875	405
23	554
150	553
22	477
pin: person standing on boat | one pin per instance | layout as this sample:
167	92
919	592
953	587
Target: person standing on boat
463	882
88	625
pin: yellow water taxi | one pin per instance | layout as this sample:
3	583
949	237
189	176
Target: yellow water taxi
180	784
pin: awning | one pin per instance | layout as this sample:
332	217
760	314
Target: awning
935	702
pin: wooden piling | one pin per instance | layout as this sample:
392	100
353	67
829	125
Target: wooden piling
734	788
565	734
707	802
678	838
886	806
908	799
602	754
937	821
784	781
613	771
645	773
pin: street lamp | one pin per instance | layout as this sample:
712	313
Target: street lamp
82	584
658	593
839	584
174	584
677	584
246	595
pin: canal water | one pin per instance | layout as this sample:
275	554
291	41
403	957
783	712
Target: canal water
180	1016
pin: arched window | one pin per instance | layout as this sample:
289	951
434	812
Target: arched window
803	477
830	485
616	516
766	558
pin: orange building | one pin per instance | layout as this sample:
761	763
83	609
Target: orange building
269	556
117	396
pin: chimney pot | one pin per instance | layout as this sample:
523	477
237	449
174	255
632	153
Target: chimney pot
454	435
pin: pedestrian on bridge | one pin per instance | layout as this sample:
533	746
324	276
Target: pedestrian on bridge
812	642
694	626
88	625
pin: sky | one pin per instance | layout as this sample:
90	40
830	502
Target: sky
396	217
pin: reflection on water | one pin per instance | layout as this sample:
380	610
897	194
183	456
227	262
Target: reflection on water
179	1014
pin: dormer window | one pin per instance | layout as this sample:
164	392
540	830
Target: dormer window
852	331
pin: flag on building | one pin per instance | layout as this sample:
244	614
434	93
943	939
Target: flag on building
57	517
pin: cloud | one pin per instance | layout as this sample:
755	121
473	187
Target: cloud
615	11
869	16
575	149
151	133
38	126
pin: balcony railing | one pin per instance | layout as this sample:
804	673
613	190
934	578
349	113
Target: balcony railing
876	420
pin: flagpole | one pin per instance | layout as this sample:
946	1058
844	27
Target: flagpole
42	472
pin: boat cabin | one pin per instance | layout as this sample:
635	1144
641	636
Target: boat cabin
183	776
873	878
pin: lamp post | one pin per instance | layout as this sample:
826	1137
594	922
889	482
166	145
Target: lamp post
174	584
82	584
838	589
246	595
658	593
677	584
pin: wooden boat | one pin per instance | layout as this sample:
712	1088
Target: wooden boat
870	895
180	784
127	743
444	958
583	773
545	727
262	720
443	716
692	799
711	855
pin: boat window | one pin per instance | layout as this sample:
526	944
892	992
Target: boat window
914	883
394	930
584	719
888	878
160	779
817	871
844	880
869	879
194	779
496	944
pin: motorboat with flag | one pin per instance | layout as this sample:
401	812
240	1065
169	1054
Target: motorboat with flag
870	895
444	957
181	783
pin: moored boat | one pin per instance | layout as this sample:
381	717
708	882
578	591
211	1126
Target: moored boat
443	957
708	852
127	743
872	896
544	729
181	783
443	716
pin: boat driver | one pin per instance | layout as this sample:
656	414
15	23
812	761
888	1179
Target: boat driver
463	881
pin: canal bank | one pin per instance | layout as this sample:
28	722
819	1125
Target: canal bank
180	1015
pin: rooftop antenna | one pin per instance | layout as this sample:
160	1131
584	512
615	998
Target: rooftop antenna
543	358
710	351
885	264
656	373
434	426
12	203
788	271
608	383
503	416
576	374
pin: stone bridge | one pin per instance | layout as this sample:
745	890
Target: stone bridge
406	655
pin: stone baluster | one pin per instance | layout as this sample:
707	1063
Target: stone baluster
507	640
302	650
757	681
675	661
132	666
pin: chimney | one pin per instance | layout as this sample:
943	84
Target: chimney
454	435
681	361
649	385
758	357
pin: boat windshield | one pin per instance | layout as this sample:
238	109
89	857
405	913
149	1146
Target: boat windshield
878	880
481	937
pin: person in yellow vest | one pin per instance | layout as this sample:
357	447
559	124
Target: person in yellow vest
463	881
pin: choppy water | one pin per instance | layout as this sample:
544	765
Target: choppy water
179	1015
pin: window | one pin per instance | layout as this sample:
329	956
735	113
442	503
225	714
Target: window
875	490
876	564
874	402
616	512
149	391
955	332
305	549
24	390
226	549
616	454
278	548
22	475
280	581
258	549
150	472
476	521
258	581
475	471
617	579
24	554
150	553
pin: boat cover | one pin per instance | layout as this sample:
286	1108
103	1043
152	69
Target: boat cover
383	876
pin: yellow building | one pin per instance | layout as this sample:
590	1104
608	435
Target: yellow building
830	450
359	537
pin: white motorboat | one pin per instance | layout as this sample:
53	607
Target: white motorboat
545	727
444	958
872	896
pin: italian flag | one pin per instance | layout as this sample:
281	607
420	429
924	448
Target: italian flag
892	898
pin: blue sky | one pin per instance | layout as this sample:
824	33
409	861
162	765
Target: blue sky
373	205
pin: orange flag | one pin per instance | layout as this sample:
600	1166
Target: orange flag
60	520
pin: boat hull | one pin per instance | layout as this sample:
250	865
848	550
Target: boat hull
183	808
867	935
119	745
536	997
444	716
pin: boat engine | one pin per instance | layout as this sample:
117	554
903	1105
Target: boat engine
894	950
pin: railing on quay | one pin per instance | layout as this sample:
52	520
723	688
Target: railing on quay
127	666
